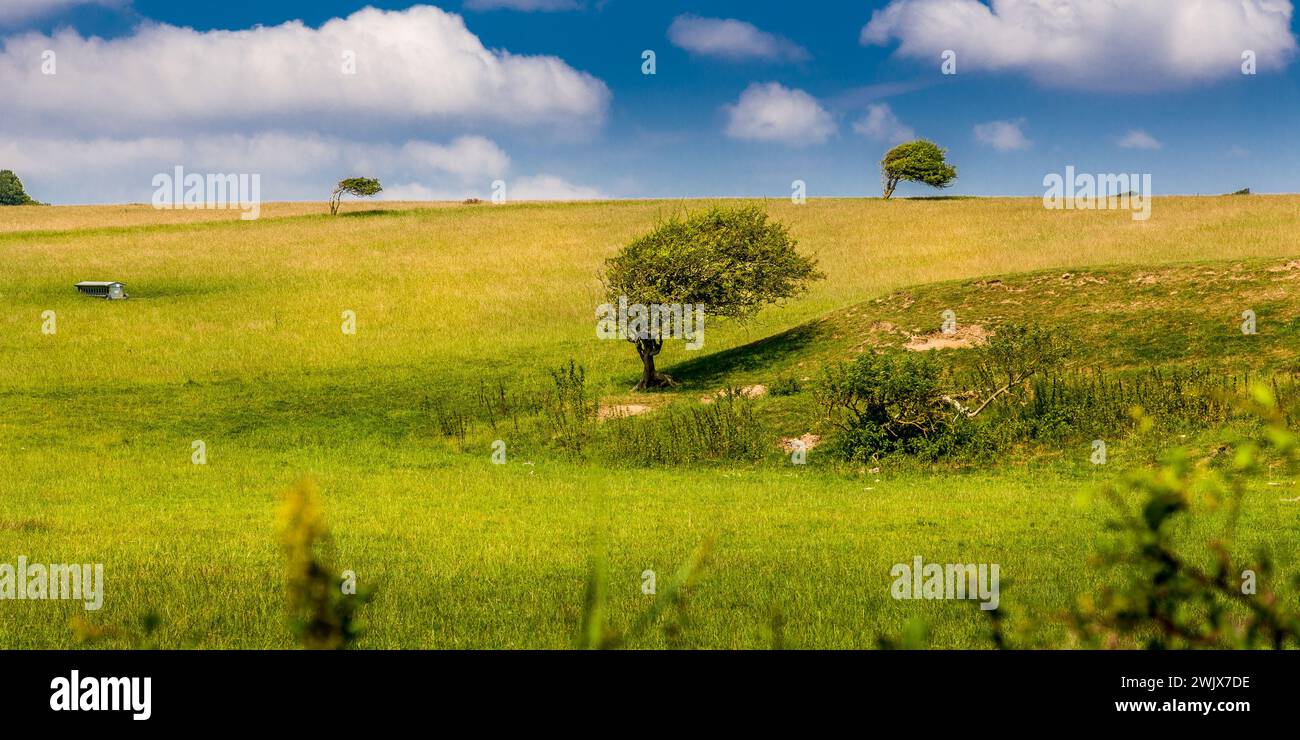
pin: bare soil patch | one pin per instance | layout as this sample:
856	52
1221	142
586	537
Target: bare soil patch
967	335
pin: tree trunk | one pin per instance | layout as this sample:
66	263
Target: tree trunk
650	379
648	374
889	188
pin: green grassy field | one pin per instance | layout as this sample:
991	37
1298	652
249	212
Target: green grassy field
232	336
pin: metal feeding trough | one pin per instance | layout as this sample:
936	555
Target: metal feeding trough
113	291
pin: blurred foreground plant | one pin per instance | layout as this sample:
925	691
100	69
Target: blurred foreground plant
1172	599
597	634
322	610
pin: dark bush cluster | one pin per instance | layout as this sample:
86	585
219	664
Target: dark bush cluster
907	403
1015	392
881	404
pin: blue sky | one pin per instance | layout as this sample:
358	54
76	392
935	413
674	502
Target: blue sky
747	97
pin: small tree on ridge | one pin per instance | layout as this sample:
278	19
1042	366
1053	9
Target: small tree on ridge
361	187
916	161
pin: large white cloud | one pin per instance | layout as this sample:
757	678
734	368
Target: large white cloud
772	112
731	39
1105	45
468	157
414	67
882	124
276	102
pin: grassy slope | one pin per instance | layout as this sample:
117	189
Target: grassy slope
1116	318
232	337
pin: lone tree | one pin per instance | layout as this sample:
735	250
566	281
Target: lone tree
11	190
362	187
724	262
916	161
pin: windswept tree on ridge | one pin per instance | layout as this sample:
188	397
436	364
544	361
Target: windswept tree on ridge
916	161
361	187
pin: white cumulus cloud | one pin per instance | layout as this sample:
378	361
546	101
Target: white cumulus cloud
1004	136
731	39
772	112
880	123
549	187
418	66
1104	45
467	157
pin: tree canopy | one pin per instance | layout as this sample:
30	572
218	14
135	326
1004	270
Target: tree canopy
730	261
361	187
11	190
916	161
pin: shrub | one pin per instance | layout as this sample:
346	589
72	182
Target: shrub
785	385
884	403
1013	355
1172	596
568	411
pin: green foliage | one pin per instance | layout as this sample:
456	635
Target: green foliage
1173	596
569	413
728	262
725	430
883	403
1174	599
322	613
361	187
1013	355
11	190
733	261
785	385
1093	404
916	161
